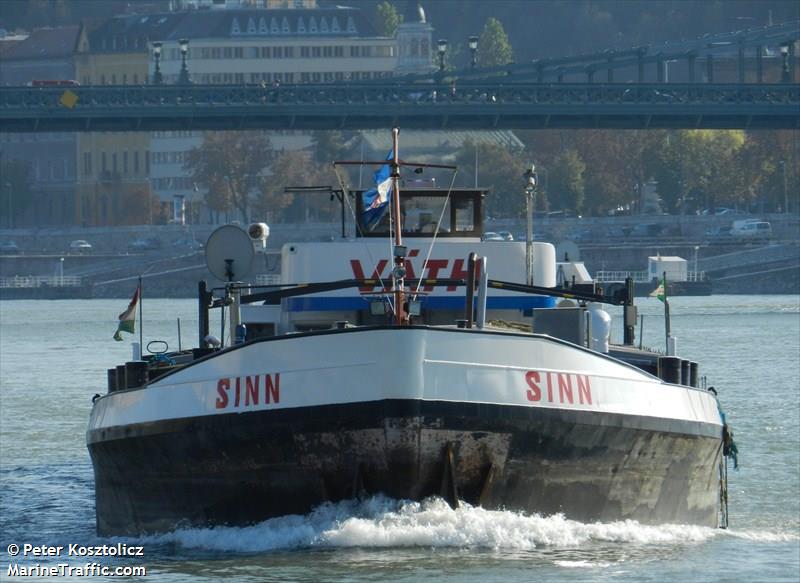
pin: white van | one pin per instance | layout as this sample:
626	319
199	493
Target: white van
755	230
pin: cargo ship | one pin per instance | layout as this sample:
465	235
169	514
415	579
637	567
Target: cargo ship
434	364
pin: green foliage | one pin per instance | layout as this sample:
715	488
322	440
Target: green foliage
229	165
387	18
698	168
500	170
494	49
16	182
566	188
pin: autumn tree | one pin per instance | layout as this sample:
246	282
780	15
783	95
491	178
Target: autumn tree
494	49
566	177
290	168
699	164
387	18
230	166
500	170
16	185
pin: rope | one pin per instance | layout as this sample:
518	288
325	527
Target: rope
436	232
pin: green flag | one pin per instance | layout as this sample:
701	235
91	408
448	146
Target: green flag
127	319
660	292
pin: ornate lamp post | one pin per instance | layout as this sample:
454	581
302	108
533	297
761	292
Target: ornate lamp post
441	47
183	78
785	64
158	78
531	183
472	42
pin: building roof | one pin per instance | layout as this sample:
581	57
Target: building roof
265	23
45	43
132	32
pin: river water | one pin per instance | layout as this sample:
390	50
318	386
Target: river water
53	358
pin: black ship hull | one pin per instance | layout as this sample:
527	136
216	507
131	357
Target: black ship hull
239	469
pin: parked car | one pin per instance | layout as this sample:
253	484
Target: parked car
506	235
80	246
188	243
718	235
9	247
144	244
755	231
646	230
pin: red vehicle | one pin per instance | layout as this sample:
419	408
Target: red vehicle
53	83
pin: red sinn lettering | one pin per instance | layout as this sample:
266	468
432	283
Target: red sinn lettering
561	388
249	391
433	269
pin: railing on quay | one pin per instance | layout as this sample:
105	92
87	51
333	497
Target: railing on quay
29	281
416	105
605	276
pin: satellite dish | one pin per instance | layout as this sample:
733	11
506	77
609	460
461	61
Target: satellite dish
567	251
229	253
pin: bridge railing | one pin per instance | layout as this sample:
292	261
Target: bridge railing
468	93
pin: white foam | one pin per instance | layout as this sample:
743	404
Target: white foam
380	522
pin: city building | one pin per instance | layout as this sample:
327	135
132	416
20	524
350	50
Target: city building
44	55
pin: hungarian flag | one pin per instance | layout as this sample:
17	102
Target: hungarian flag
127	319
660	292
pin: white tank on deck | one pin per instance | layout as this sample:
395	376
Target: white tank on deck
600	328
544	265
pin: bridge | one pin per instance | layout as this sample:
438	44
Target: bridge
447	104
621	89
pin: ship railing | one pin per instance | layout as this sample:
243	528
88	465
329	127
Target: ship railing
610	276
31	281
268	279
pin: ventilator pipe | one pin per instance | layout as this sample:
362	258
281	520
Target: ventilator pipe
483	286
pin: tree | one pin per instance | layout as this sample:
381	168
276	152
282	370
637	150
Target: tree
291	168
229	165
16	188
387	18
500	170
701	164
566	178
494	49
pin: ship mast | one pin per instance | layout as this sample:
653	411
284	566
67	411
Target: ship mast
399	250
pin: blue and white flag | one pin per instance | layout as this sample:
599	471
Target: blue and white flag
376	200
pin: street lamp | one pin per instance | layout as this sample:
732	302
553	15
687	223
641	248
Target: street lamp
785	66
473	47
531	182
441	47
183	78
158	78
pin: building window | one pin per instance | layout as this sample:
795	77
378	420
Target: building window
265	52
238	52
315	77
87	163
316	52
338	51
327	52
114	162
305	77
103	162
147	162
136	78
125	162
136	162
